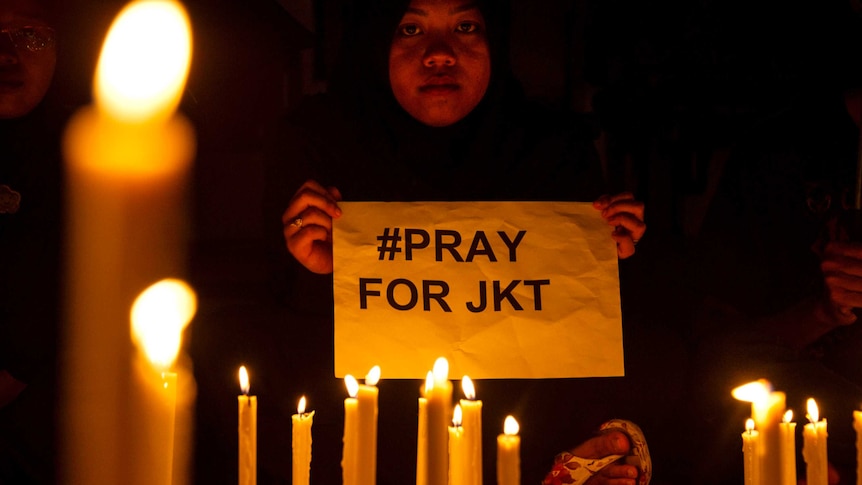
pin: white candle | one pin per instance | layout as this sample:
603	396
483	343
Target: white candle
814	447
509	454
126	227
301	443
857	425
359	460
750	454
458	465
422	433
788	449
472	424
439	398
247	411
767	409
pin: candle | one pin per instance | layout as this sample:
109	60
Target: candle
814	447
509	454
472	424
359	459
127	164
301	444
158	318
857	425
458	464
788	449
422	433
439	397
247	406
750	454
767	409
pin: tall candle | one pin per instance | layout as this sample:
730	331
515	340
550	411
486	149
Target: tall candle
767	409
509	454
750	454
359	459
458	464
857	425
301	443
127	160
814	447
422	433
472	424
788	449
247	407
439	397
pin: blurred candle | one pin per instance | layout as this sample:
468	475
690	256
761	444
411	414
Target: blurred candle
472	423
422	433
751	458
857	425
814	447
439	397
359	459
458	465
127	163
301	444
509	454
247	406
788	449
767	409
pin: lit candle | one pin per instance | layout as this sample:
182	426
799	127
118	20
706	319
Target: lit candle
301	444
472	424
750	454
767	409
359	459
788	449
127	163
814	447
247	406
857	425
458	466
159	316
439	397
422	433
509	454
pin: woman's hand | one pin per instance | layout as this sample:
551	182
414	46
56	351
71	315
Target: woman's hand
307	225
627	216
605	444
841	265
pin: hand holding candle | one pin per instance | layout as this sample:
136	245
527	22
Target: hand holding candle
814	447
509	454
247	406
301	444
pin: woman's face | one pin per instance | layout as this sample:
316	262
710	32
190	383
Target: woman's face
27	57
439	62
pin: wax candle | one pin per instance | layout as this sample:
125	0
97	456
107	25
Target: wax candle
788	449
509	454
857	425
127	165
472	424
301	443
439	397
422	433
814	447
750	454
767	409
359	459
247	406
458	464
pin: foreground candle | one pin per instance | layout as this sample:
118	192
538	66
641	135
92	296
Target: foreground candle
814	447
857	425
788	449
422	433
458	465
767	409
359	458
247	406
472	424
127	165
301	444
439	398
509	454
750	454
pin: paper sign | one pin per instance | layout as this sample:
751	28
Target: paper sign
501	289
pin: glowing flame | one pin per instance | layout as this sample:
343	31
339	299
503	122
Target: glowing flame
244	384
352	385
429	381
441	370
373	376
757	391
510	426
456	416
145	61
467	387
813	412
749	425
788	416
159	316
300	408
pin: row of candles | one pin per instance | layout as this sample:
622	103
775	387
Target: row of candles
445	455
769	439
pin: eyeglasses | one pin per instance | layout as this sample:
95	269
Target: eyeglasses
32	38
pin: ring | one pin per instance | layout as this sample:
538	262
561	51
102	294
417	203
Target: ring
635	241
297	223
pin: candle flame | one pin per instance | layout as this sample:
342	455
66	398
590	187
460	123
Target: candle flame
300	408
813	411
159	315
468	388
510	426
429	383
788	416
144	61
373	376
457	416
441	370
243	380
352	385
749	425
757	391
